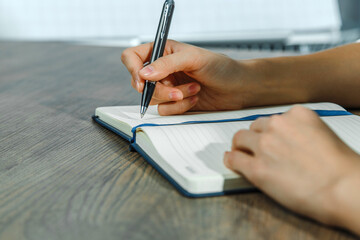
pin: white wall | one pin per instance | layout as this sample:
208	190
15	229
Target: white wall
79	19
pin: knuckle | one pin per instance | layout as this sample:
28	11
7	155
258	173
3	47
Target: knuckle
298	109
257	122
275	122
125	54
163	111
184	105
175	46
159	93
240	133
253	124
172	41
302	112
238	136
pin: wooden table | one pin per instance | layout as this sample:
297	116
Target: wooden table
62	176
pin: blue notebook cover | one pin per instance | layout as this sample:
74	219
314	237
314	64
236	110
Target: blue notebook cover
135	147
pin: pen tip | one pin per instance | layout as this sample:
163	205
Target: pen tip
142	115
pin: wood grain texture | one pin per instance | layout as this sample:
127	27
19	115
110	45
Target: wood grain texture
64	177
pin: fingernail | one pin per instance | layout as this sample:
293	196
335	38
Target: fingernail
174	95
193	100
146	71
194	88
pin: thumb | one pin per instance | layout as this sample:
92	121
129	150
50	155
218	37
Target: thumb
166	65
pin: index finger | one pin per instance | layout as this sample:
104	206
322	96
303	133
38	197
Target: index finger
134	58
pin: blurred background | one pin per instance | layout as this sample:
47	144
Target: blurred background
297	25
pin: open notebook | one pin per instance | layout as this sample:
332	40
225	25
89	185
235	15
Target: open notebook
188	149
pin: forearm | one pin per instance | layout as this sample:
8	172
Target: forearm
332	75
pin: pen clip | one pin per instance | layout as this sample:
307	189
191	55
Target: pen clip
166	12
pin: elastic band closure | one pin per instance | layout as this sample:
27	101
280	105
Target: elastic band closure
321	113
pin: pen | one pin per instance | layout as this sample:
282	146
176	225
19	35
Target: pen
157	52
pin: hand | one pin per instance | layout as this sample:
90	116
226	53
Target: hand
296	159
190	78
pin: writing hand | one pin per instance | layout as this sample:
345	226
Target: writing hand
189	78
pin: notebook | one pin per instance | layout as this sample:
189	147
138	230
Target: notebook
188	149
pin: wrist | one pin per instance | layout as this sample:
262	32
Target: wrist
341	202
274	81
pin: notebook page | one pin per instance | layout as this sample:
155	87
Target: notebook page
131	115
197	152
204	142
347	128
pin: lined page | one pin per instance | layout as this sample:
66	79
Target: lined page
131	115
347	128
197	151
